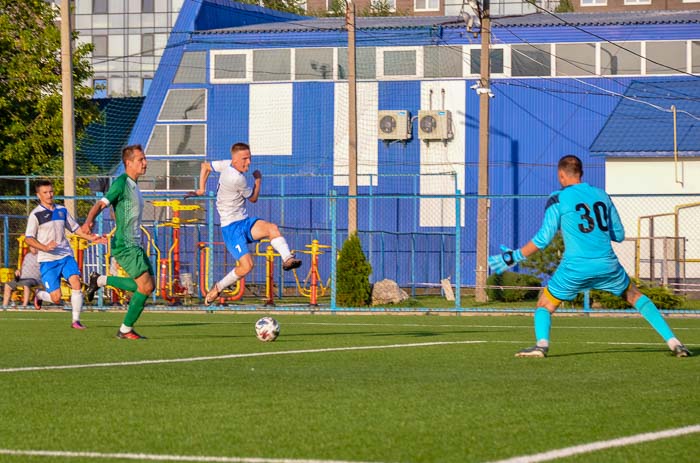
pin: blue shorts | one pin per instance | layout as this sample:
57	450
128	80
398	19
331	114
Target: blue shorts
51	272
571	278
237	235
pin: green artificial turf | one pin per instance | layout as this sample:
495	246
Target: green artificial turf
605	378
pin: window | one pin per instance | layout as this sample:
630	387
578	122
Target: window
271	65
637	2
695	56
442	61
147	44
575	59
621	58
229	67
177	140
147	6
100	88
99	46
666	57
530	60
365	63
594	2
313	64
184	105
146	85
164	174
426	5
99	7
496	56
400	63
192	68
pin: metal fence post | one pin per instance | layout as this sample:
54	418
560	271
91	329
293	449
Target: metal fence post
334	248
458	249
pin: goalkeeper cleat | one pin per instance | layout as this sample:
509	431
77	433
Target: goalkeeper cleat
534	351
130	335
681	351
92	287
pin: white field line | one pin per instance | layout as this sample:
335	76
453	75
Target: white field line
602	445
409	325
535	458
232	356
156	457
292	352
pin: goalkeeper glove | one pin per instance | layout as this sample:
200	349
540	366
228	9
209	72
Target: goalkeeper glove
508	258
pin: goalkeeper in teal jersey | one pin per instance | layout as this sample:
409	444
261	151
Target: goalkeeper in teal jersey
589	223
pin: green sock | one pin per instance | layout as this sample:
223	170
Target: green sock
138	300
127	284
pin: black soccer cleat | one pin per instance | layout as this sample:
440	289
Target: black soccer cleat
291	263
534	351
681	351
130	335
92	287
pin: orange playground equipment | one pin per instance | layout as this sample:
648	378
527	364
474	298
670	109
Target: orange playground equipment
205	263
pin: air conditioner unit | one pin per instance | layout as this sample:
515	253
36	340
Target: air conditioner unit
394	125
435	125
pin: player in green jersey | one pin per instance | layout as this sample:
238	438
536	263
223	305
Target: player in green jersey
125	197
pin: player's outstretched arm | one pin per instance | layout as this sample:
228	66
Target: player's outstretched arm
508	258
86	228
204	172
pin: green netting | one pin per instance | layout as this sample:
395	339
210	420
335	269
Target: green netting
99	148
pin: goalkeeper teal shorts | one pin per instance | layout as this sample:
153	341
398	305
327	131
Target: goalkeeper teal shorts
573	277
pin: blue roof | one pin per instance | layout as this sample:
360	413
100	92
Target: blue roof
320	24
642	122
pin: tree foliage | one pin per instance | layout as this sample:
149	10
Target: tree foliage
546	261
354	289
31	116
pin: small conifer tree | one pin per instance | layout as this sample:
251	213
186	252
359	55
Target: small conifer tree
354	289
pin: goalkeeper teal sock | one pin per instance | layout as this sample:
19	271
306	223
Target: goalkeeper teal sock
543	323
652	315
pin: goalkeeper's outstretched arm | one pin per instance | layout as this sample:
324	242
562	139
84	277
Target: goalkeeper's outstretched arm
508	258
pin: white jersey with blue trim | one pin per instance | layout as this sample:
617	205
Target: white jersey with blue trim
46	225
231	193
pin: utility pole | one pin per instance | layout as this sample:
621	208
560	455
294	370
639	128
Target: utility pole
482	220
67	99
352	117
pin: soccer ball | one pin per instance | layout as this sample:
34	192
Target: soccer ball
267	329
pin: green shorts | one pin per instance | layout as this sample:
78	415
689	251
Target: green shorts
134	261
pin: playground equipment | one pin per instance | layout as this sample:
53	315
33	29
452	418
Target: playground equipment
313	282
205	262
170	279
673	258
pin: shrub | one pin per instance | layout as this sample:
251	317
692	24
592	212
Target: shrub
662	297
512	294
354	289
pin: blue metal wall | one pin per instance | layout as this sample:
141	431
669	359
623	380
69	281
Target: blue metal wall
533	123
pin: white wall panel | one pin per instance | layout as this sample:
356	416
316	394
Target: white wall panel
270	131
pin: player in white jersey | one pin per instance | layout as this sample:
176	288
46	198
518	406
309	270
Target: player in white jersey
237	228
45	232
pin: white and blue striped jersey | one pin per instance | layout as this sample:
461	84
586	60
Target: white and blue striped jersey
46	225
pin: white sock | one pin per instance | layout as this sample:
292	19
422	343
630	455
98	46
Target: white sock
228	280
43	296
76	302
124	328
102	281
673	342
280	245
